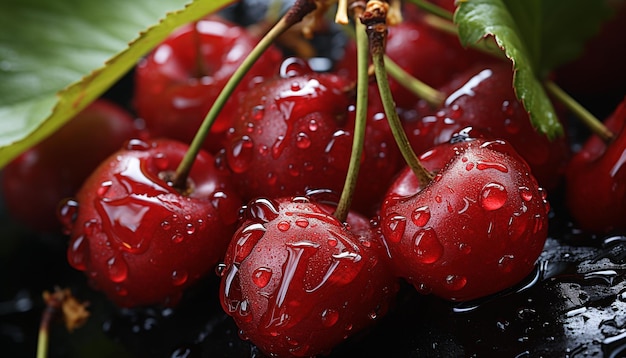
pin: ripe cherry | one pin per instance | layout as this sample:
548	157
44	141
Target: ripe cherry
596	179
56	167
476	229
298	282
483	98
177	83
138	239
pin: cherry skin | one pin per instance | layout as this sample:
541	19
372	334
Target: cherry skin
298	282
295	134
476	229
56	167
139	240
596	179
483	98
175	86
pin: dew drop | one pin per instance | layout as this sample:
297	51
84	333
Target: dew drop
137	144
90	227
455	282
394	227
78	253
283	226
261	276
426	246
469	166
525	193
505	263
179	277
330	317
166	225
241	155
421	216
493	196
117	269
302	222
491	165
190	229
161	161
68	211
177	238
332	242
104	188
313	125
258	112
303	141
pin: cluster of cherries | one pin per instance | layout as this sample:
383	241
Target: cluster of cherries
259	200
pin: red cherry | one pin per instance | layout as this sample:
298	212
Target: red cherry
298	282
483	97
56	167
596	179
137	238
295	133
175	86
476	229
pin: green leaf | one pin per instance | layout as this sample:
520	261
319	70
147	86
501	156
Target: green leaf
479	19
58	56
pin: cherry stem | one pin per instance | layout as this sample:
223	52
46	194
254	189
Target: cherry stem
432	96
374	18
53	305
591	121
295	14
581	112
343	207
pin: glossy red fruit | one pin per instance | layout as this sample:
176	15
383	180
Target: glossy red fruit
175	85
476	229
596	179
56	167
138	239
298	282
295	133
483	97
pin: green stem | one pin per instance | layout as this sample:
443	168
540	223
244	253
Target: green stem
593	123
433	9
293	16
432	96
374	19
343	207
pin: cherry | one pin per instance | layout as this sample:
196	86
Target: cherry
475	230
177	83
295	133
483	97
596	179
138	239
298	282
56	167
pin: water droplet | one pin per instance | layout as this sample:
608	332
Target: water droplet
421	216
246	240
283	226
166	225
469	166
426	246
220	269
90	227
455	282
303	141
161	161
302	222
493	196
525	193
261	209
330	317
491	165
240	155
332	242
258	112
68	211
506	263
179	277
177	238
78	252
137	144
313	125
117	269
261	276
464	248
393	227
